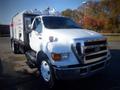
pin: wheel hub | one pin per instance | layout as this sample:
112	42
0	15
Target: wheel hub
12	46
45	70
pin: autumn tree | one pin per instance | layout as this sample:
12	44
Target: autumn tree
101	16
112	10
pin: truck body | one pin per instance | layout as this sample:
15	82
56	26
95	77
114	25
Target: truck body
58	47
19	29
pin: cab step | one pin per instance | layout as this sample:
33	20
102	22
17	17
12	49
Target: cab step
31	59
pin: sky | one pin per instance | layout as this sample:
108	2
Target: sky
8	8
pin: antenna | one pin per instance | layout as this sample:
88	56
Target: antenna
51	11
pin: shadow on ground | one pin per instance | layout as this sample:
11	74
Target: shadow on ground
109	79
1	67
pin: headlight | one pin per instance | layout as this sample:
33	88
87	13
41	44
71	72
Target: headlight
59	56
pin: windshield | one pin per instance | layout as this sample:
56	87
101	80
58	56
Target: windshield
59	23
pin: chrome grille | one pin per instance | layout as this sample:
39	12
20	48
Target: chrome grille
92	50
95	55
95	42
95	50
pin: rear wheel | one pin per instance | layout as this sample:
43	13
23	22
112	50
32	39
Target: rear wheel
15	47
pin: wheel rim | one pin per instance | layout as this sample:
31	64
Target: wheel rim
45	71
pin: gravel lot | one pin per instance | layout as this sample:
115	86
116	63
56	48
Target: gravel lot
16	75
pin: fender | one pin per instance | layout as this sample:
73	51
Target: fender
40	56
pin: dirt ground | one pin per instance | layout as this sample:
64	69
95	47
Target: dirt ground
12	62
13	67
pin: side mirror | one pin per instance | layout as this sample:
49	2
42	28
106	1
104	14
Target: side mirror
29	28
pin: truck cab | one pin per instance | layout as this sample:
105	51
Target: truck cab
61	49
70	49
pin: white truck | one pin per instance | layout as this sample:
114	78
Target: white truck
58	47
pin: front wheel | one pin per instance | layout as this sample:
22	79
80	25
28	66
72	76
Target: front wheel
46	73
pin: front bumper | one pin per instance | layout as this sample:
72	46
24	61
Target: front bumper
78	71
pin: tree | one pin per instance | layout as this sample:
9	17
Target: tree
67	12
102	16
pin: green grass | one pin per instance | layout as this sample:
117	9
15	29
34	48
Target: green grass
113	38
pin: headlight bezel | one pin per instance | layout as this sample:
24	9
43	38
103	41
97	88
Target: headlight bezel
59	56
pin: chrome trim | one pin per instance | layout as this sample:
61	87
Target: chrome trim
102	51
87	66
80	58
84	54
94	59
93	40
93	46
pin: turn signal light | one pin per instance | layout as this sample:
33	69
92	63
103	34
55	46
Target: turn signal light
56	56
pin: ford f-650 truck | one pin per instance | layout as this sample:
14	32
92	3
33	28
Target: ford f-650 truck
57	46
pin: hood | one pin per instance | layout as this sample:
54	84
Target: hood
75	33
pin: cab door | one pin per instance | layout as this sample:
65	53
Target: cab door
35	35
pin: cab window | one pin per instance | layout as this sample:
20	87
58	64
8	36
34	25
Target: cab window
37	25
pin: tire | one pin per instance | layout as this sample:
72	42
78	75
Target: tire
15	47
46	74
